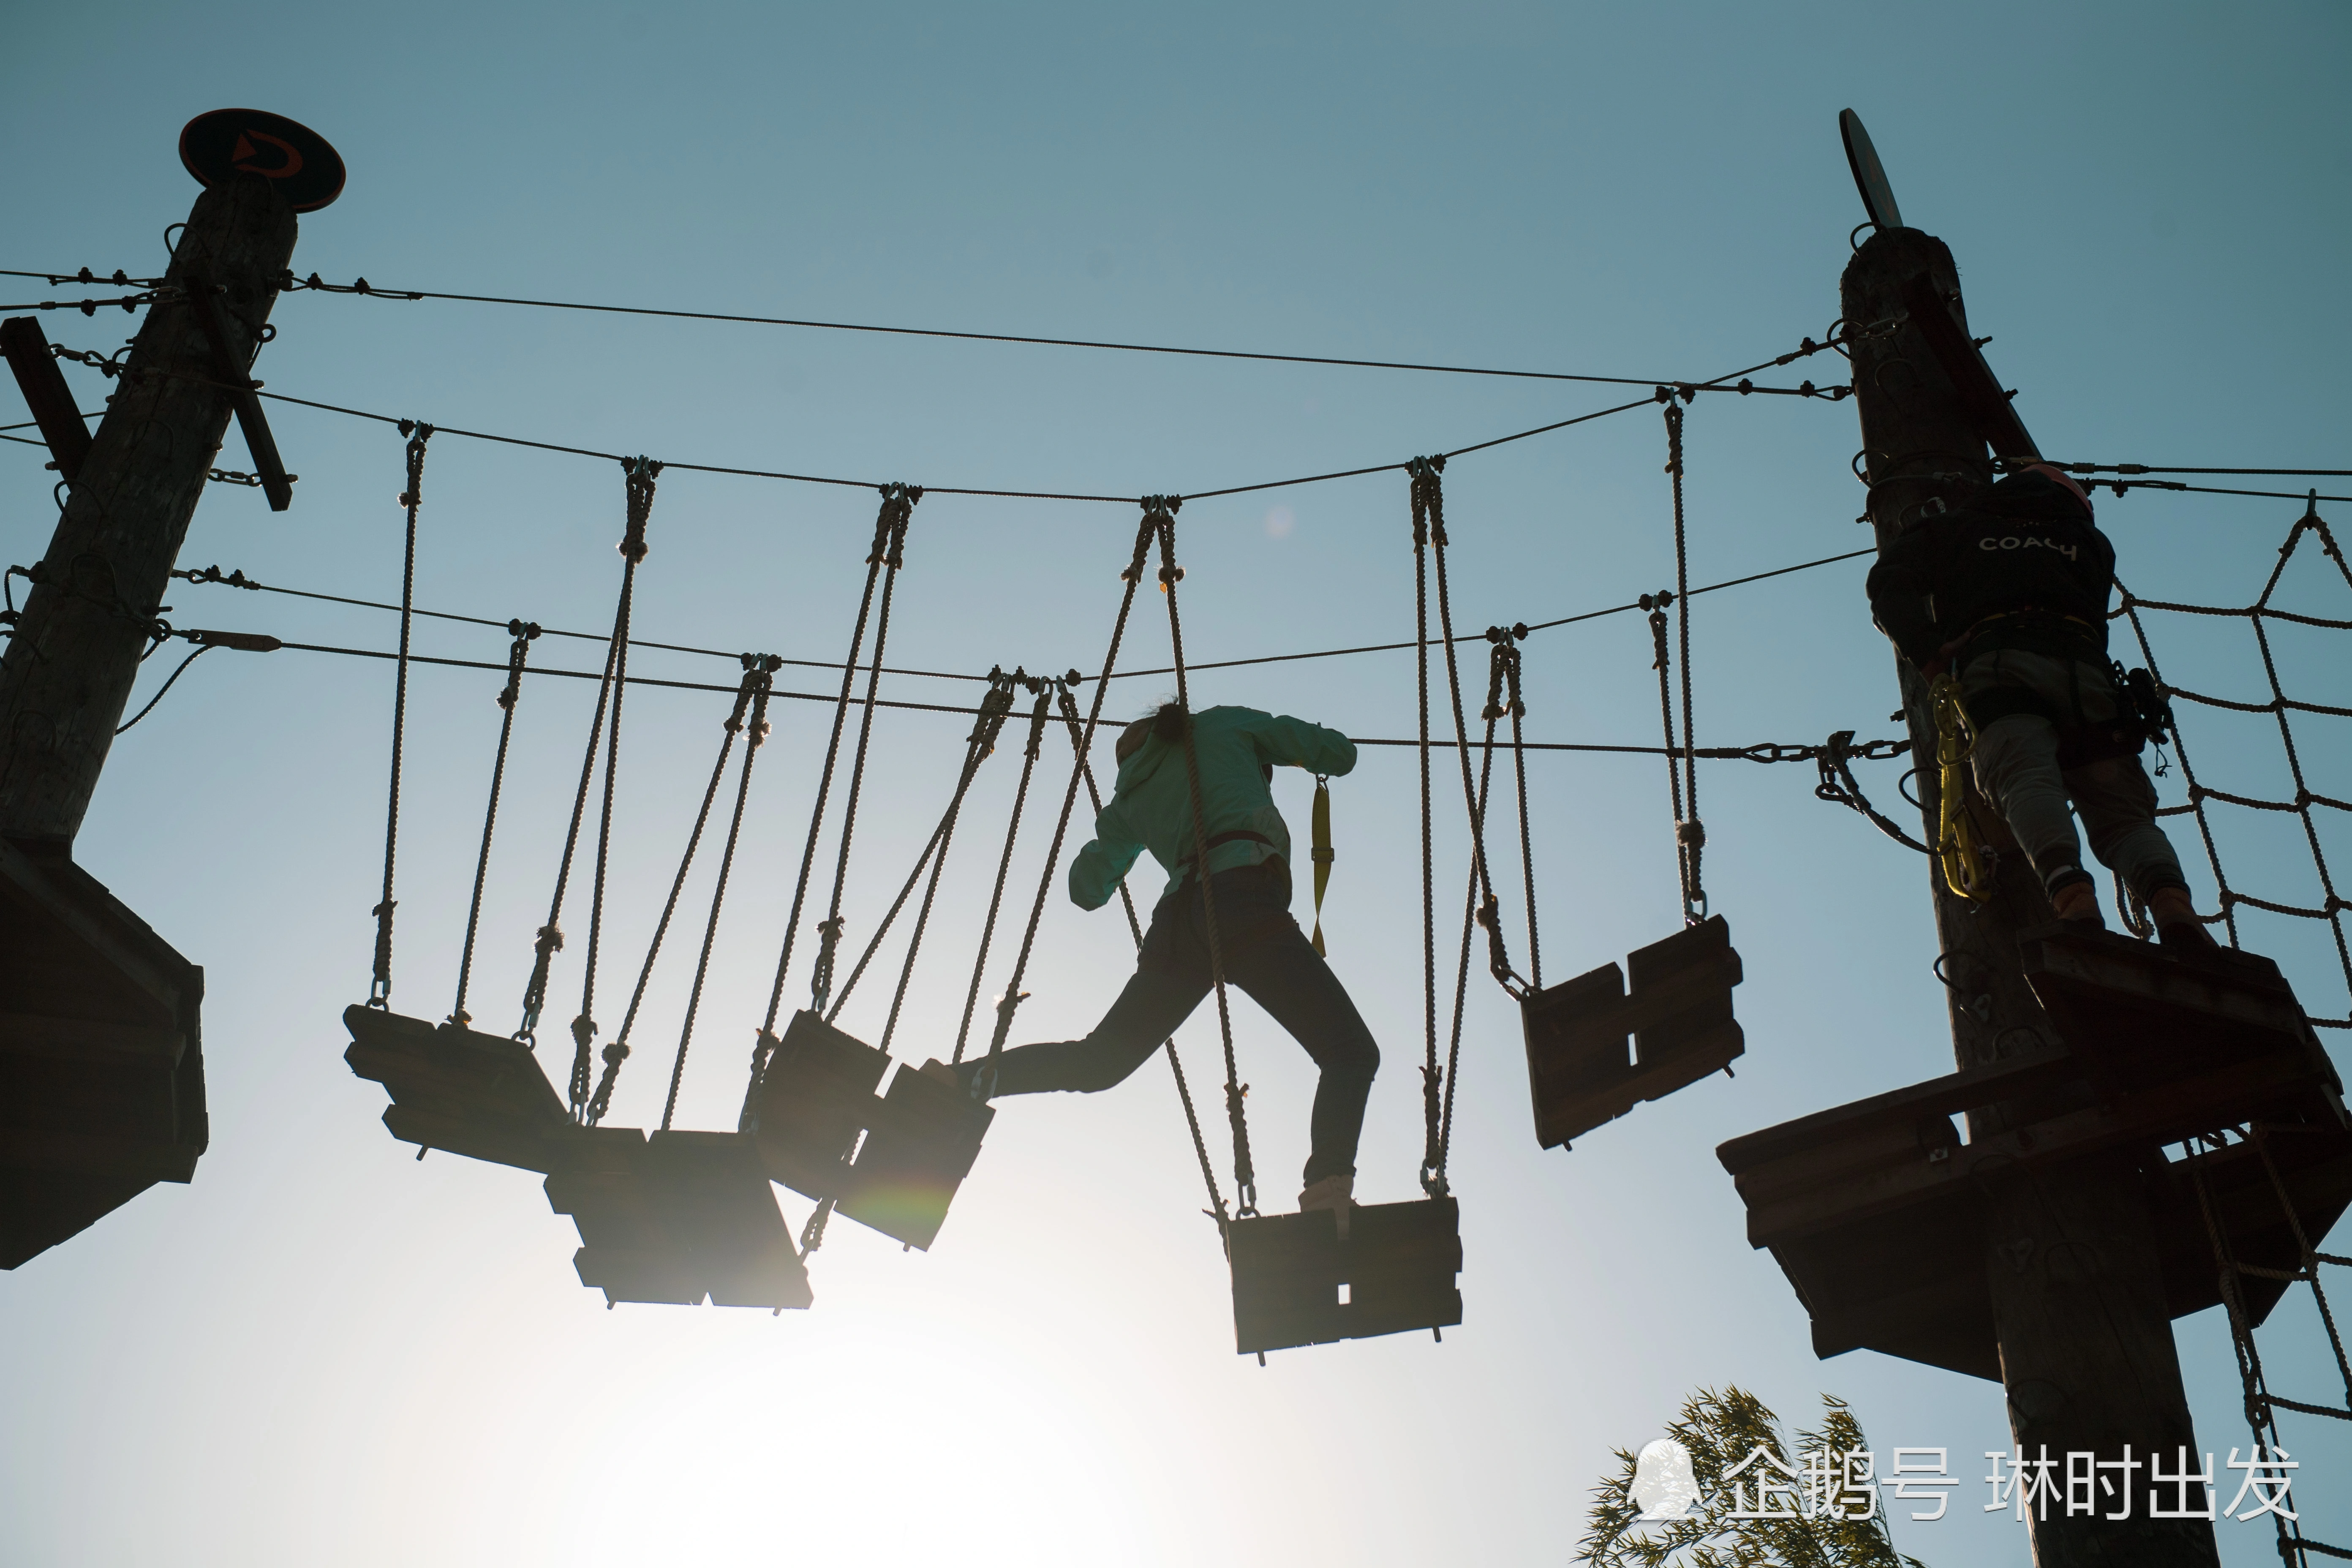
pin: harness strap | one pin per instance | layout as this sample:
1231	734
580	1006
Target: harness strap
1322	855
1236	835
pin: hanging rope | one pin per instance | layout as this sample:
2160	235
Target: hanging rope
760	670
641	474
1160	513
1428	497
1012	998
524	633
549	940
978	745
616	1050
897	508
1502	696
887	555
1690	833
1216	1209
418	433
981	744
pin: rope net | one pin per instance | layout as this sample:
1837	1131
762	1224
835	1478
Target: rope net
2307	805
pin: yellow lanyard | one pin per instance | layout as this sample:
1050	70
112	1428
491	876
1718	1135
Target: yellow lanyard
1958	849
1321	816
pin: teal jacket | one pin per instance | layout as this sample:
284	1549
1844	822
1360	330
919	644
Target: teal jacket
1151	807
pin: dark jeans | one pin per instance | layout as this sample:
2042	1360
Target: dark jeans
1265	956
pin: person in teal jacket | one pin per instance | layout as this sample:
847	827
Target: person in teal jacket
1264	952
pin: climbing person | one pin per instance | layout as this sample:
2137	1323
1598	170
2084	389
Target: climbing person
1249	877
2008	591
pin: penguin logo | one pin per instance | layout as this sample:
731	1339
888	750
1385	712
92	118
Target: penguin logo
1663	1483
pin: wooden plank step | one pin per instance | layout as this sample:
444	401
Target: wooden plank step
482	1096
815	1097
925	1134
676	1217
1297	1283
1581	1074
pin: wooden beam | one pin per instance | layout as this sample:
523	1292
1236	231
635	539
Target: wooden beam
46	393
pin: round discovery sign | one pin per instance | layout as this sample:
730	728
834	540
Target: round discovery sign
220	146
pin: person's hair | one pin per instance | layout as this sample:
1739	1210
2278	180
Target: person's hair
1167	721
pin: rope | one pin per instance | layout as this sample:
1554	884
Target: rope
1662	661
761	671
889	531
640	480
977	747
1690	833
2333	905
524	633
616	1050
2261	1406
897	508
1161	510
549	940
1216	1209
981	744
379	988
1012	998
1426	497
1518	711
1014	995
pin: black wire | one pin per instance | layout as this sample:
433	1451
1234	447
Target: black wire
1708	754
201	648
410	294
635	642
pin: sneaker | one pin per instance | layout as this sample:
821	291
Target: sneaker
2078	904
961	1077
2177	925
1334	1192
2186	936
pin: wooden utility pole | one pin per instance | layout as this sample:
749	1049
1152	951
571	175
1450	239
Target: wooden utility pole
101	1074
68	671
2071	1264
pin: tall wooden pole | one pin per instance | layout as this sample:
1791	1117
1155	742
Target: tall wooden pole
2086	1349
66	673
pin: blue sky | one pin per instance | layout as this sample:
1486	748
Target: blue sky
323	1351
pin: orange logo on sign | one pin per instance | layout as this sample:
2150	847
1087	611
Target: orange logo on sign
245	150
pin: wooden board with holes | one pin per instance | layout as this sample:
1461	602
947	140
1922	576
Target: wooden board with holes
1297	1283
925	1137
1678	1016
815	1097
482	1096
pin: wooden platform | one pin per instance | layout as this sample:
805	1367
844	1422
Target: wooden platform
101	1062
816	1097
482	1096
1297	1283
1679	1015
1875	1210
678	1217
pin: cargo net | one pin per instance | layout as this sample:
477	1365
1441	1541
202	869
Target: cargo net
2230	744
2233	1206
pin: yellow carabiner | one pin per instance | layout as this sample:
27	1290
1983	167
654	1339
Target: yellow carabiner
1959	849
